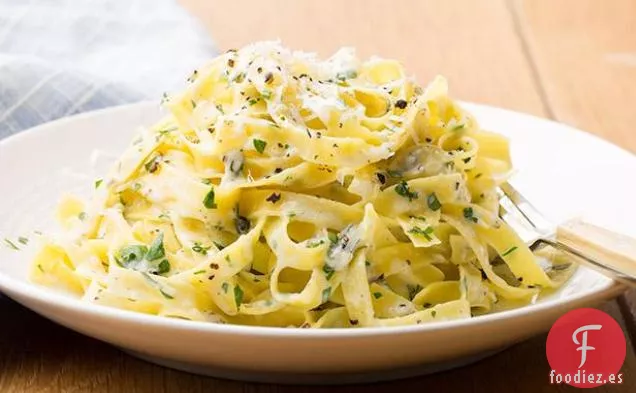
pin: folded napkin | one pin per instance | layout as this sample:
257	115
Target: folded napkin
58	58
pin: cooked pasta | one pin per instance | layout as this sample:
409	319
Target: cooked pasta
282	190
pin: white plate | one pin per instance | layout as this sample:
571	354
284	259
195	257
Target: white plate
564	171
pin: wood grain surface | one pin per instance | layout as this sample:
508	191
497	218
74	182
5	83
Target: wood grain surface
570	60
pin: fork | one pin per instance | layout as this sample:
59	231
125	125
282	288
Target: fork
610	253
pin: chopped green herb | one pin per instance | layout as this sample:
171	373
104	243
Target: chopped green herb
266	94
562	266
326	293
130	255
194	104
40	268
198	248
458	127
259	145
152	165
199	272
238	295
252	101
509	251
315	244
163	267
434	313
469	214
333	237
377	295
413	290
156	250
219	108
433	202
98	182
329	271
466	160
208	201
137	186
239	77
422	232
206	181
349	74
82	216
23	240
367	263
219	246
225	287
402	189
166	295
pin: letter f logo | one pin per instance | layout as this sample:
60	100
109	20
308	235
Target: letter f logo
583	344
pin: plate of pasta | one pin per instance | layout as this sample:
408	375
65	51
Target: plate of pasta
291	219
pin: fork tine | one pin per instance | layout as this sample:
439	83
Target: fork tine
529	212
509	213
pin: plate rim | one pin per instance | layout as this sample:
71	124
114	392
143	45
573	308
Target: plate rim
51	298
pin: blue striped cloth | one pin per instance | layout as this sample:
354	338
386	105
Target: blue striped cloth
61	57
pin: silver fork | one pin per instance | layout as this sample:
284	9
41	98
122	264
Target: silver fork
610	253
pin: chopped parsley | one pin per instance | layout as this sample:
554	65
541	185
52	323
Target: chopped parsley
208	201
225	287
98	182
433	313
23	240
377	295
402	189
252	101
219	108
166	295
315	244
238	295
469	214
329	271
11	244
326	294
198	248
458	127
82	216
433	202
413	290
422	232
509	251
333	237
266	94
199	272
259	145
145	259
152	165
350	74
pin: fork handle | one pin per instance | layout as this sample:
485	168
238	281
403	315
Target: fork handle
602	248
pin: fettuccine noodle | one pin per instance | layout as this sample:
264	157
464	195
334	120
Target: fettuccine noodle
286	191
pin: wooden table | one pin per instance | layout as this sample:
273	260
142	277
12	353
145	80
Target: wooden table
569	60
